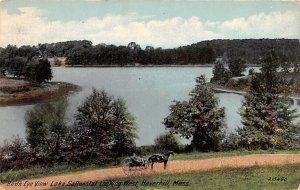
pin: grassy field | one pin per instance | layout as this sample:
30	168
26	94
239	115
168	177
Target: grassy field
206	155
37	172
255	178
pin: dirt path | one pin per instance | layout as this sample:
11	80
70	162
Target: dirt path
179	166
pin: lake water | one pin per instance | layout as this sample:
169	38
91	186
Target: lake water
148	93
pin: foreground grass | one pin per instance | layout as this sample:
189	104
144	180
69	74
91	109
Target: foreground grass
37	172
255	178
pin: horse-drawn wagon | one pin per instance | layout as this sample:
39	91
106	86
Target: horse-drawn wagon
138	164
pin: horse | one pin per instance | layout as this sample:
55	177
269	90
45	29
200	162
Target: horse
159	158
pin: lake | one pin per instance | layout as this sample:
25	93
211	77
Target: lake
148	92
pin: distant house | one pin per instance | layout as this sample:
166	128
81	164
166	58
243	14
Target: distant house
57	61
219	59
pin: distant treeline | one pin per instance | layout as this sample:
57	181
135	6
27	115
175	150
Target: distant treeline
250	50
253	50
25	62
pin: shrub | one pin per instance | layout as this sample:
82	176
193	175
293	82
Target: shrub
221	75
231	142
16	155
166	142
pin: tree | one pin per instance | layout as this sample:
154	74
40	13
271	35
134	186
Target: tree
38	71
221	75
16	66
102	126
200	118
167	142
14	60
46	130
43	71
125	130
237	66
266	114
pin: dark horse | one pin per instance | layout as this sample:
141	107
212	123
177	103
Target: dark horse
159	158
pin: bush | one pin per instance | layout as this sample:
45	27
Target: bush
231	142
16	155
145	150
166	142
243	81
237	66
221	75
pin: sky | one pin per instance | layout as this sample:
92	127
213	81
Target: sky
159	23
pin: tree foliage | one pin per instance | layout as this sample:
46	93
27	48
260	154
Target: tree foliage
46	130
221	75
200	118
42	71
103	129
38	71
25	62
103	54
166	142
251	50
83	52
267	115
237	66
15	155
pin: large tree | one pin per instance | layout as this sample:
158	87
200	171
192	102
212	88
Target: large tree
267	115
46	130
237	66
103	129
200	118
221	75
125	130
38	71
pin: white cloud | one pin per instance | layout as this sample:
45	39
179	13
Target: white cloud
31	27
273	25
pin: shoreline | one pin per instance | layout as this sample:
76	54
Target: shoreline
141	66
36	94
151	65
241	92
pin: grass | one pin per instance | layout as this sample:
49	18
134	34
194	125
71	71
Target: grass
206	155
255	178
37	172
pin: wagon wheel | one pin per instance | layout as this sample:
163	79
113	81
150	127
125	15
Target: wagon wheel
125	166
137	171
